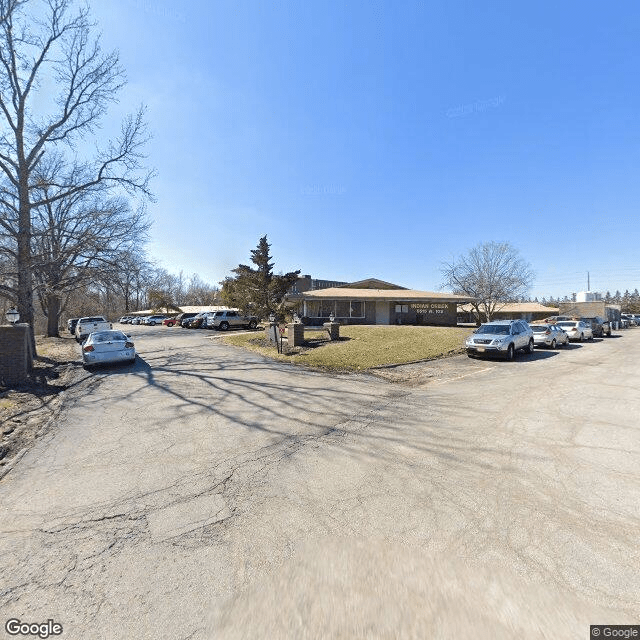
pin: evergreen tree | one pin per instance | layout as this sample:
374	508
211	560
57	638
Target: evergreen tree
258	291
635	302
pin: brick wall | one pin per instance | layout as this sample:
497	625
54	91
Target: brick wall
582	309
16	358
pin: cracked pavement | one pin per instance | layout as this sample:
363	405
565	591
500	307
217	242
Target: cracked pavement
207	492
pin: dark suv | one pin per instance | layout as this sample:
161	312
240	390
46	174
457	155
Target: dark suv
71	325
182	318
500	338
599	326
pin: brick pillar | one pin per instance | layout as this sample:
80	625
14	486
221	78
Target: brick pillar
334	330
295	334
16	357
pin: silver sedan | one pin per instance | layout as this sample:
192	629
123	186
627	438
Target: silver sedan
549	335
106	347
577	329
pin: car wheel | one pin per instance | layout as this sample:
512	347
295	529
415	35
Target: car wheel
581	337
591	338
511	352
253	324
224	326
553	344
530	347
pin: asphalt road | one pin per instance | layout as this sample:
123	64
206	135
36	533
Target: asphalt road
208	493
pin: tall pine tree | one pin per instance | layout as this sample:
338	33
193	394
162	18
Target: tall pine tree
258	291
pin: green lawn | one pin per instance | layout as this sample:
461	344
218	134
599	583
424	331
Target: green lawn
363	347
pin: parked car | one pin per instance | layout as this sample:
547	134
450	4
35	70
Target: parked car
169	322
224	320
105	347
209	317
500	338
182	318
154	320
577	329
630	320
196	322
125	319
71	325
549	335
599	326
88	325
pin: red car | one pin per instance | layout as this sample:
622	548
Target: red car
170	321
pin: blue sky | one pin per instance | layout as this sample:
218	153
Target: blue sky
379	139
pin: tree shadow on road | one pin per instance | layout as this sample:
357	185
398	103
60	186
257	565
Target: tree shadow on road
302	406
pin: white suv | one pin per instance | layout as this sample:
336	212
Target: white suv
500	338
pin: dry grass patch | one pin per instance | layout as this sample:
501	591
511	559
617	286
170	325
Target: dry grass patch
364	347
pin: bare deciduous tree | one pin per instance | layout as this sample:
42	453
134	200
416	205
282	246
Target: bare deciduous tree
40	42
492	273
78	240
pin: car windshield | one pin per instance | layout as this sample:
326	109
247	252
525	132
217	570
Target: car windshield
497	329
568	324
106	336
538	328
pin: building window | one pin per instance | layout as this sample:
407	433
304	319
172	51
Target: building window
340	308
327	307
356	308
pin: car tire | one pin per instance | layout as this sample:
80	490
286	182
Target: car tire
253	324
511	353
553	344
581	337
223	326
530	347
591	338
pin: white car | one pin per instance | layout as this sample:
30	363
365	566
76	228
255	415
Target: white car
577	329
154	320
106	347
549	335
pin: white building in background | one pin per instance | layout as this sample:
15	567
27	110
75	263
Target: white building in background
588	296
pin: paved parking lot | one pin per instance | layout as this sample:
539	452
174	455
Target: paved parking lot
206	492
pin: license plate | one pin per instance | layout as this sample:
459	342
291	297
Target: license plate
480	349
